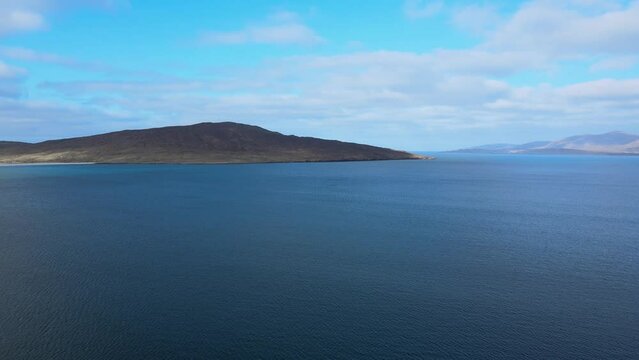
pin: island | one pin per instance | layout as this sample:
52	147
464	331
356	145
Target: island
204	143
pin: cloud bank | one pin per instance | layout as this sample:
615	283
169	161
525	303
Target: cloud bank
392	98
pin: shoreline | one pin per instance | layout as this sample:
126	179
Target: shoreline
209	163
45	164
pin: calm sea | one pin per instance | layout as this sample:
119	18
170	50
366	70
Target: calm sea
465	257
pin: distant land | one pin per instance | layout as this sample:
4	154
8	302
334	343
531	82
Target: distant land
612	143
224	142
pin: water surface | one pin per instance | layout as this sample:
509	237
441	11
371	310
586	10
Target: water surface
465	257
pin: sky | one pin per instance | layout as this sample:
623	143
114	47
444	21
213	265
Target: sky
407	74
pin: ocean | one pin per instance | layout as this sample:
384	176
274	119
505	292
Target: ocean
464	257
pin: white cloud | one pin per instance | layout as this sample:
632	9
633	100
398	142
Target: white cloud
280	28
596	5
30	55
461	62
419	9
93	88
43	120
563	31
13	19
476	19
615	63
604	89
25	54
7	71
29	15
11	79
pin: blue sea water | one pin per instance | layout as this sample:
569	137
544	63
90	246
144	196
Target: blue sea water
465	257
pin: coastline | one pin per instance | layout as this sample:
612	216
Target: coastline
208	163
45	164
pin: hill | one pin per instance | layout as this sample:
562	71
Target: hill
614	143
224	142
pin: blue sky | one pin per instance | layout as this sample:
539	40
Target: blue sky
416	75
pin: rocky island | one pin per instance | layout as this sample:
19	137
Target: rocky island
224	142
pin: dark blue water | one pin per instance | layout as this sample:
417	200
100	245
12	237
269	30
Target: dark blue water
466	257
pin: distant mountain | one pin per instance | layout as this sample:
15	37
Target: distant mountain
615	142
224	142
